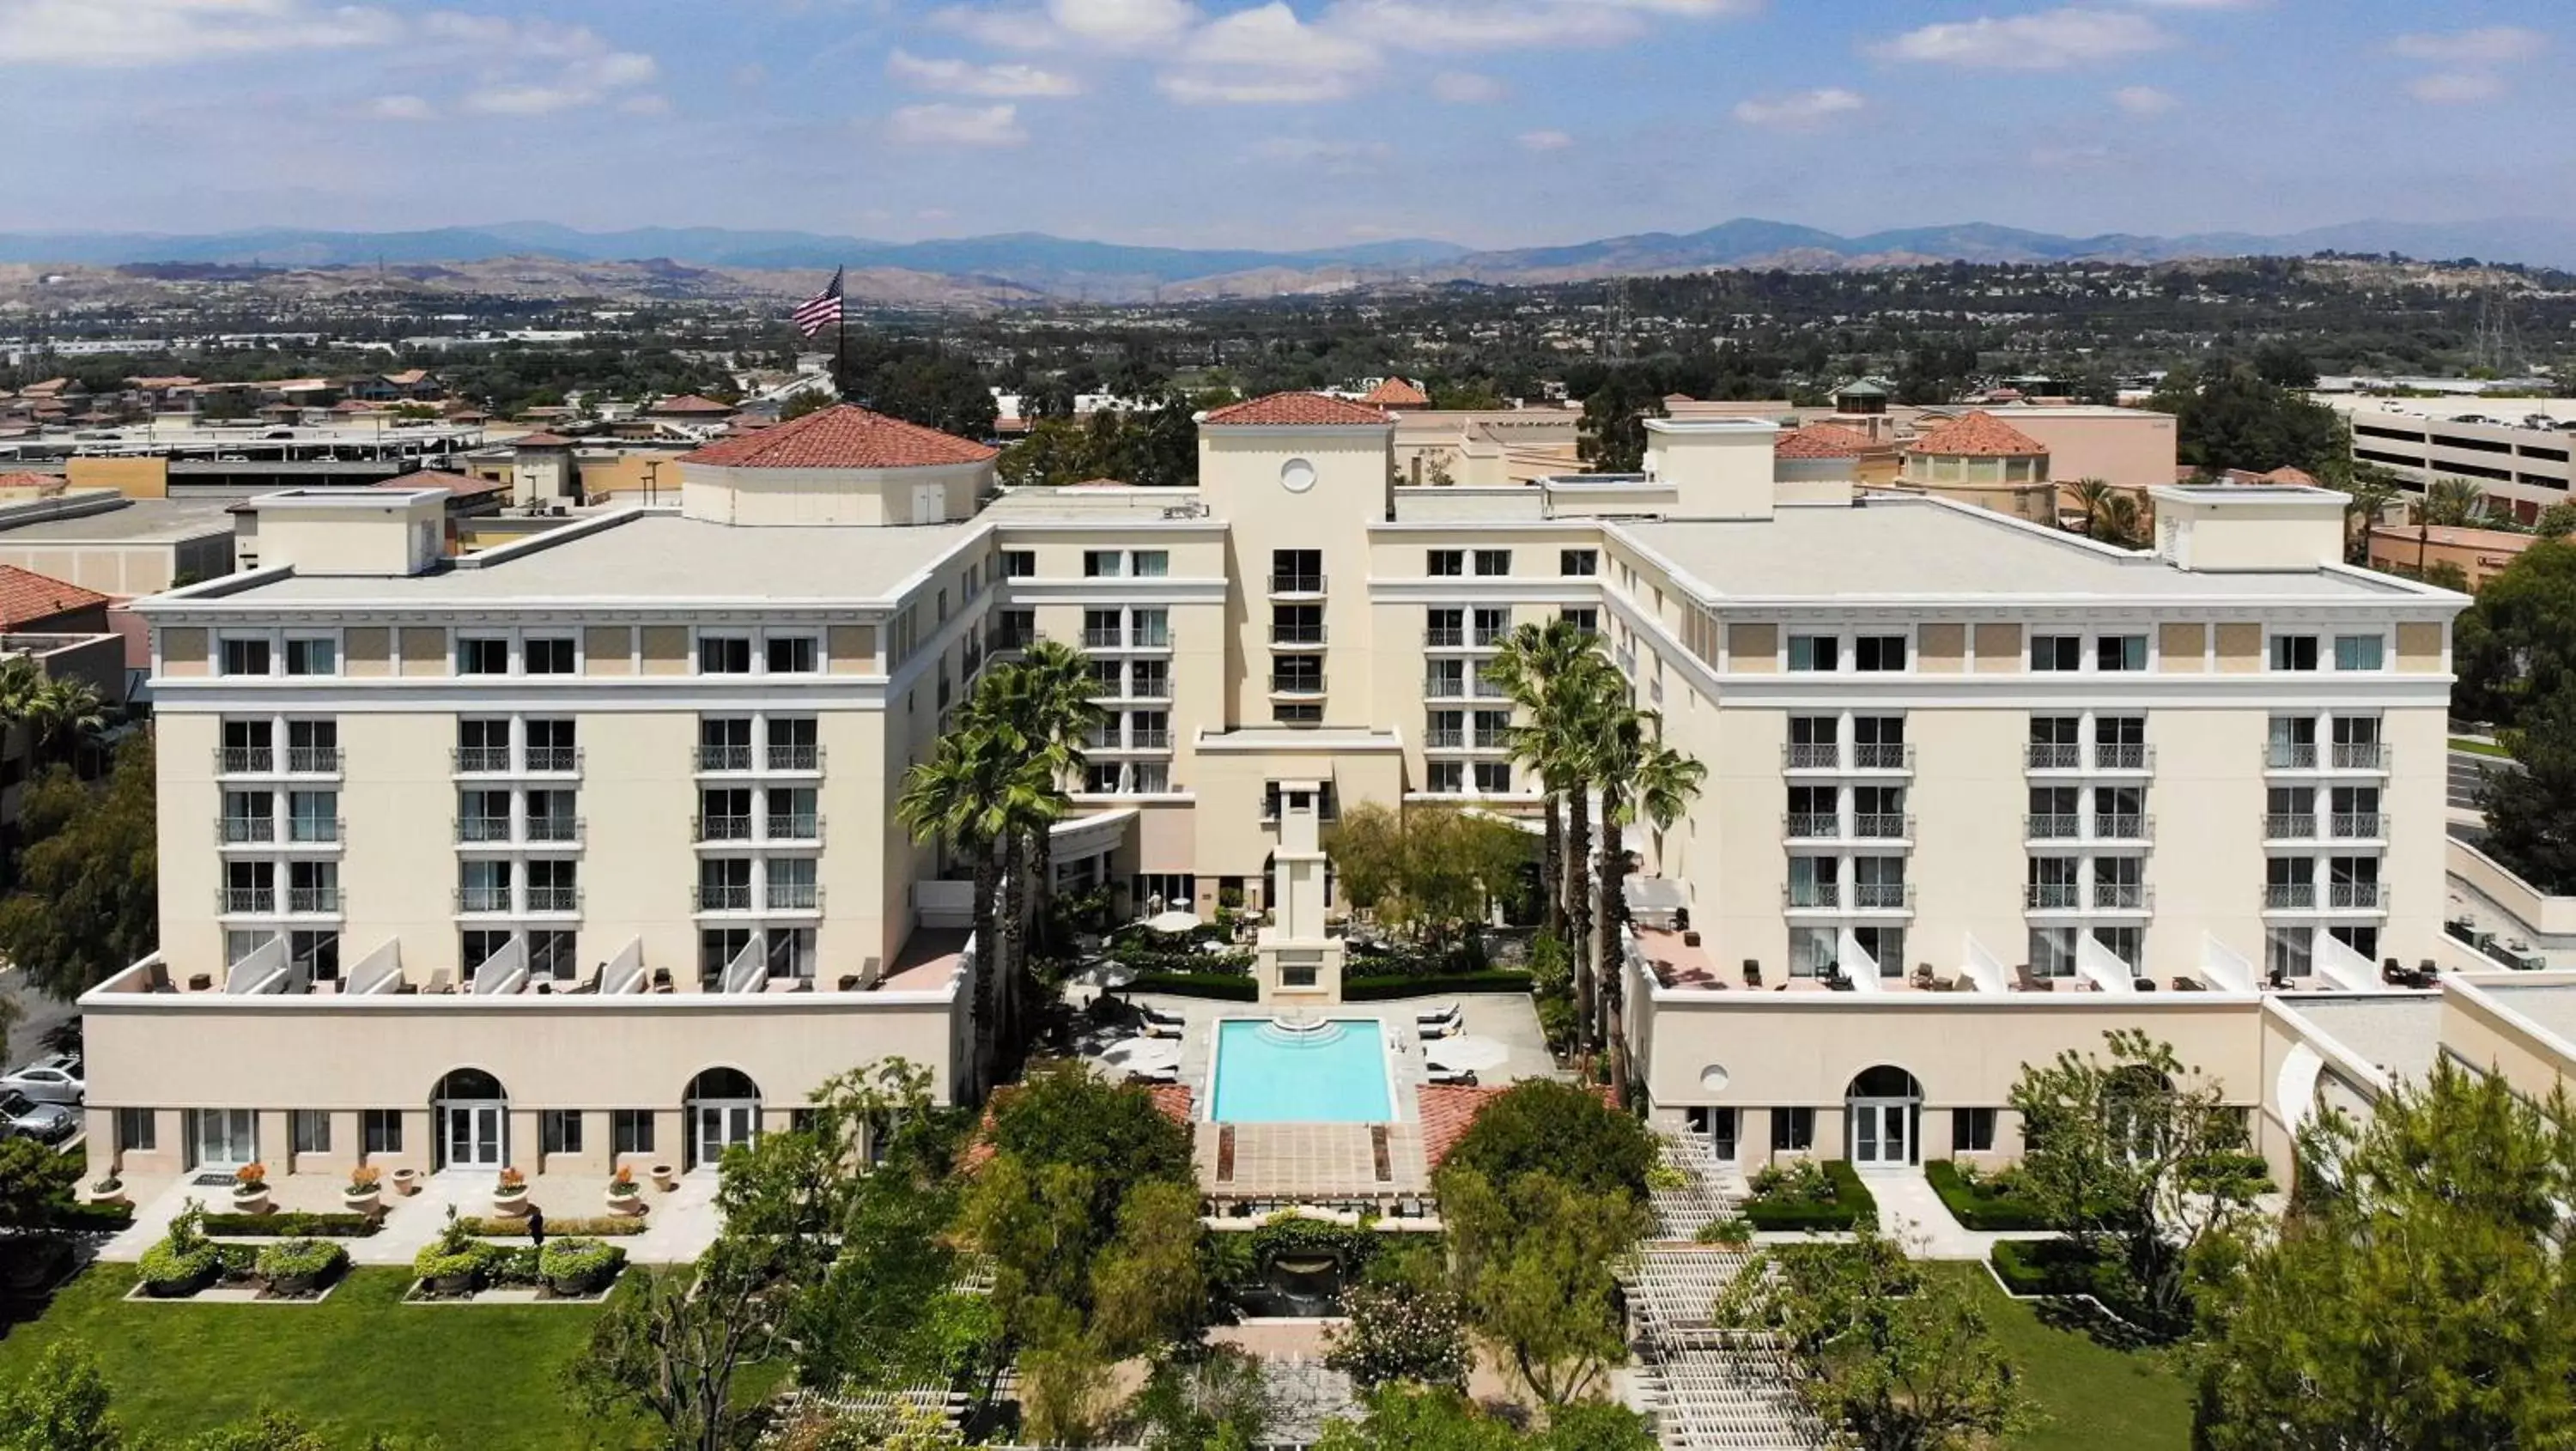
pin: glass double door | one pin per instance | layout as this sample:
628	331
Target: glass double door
1882	1132
223	1138
471	1135
717	1125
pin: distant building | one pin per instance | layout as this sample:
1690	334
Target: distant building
1979	459
2515	449
2480	554
1396	393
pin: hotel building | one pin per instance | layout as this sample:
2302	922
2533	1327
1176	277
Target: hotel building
582	849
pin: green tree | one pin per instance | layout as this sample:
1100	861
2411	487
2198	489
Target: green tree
2453	503
33	1180
2516	647
2420	1297
268	1429
2091	495
1404	1418
87	903
2557	521
934	390
672	1345
2366	502
1612	436
979	794
804	401
1561	681
61	1406
2234	418
2284	364
1434	869
2118	1153
1042	705
62	715
1203	1398
1639	776
1541	1126
2531	813
1538	1261
1900	1357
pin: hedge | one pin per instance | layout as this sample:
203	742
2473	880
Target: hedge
1851	1204
77	1215
2052	1267
1228	986
518	1228
290	1257
293	1226
1396	985
1976	1206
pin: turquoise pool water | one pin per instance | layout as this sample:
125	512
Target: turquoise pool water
1268	1075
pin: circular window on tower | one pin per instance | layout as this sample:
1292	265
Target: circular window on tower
1296	476
1713	1078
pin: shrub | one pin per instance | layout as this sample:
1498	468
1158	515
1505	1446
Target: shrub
293	1226
1380	987
1809	1195
184	1261
1225	987
1731	1229
1402	1332
1556	1128
609	1225
312	1260
2055	1267
579	1266
454	1254
1983	1202
511	1264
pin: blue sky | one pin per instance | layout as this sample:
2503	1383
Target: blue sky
1287	123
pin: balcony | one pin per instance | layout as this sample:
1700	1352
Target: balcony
313	760
2122	756
480	760
1878	756
245	760
1812	825
1812	756
793	758
2289	896
1112	638
1490	637
720	828
553	899
554	830
1812	896
238	830
1297	584
475	830
724	758
1296	684
1298	637
1436	686
2359	825
246	899
2052	826
489	898
2356	896
316	830
706	897
313	899
1445	741
2289	826
802	826
1882	896
2122	896
2053	756
795	897
2360	756
1438	639
1149	740
2290	756
2051	896
1882	826
553	760
2122	826
998	641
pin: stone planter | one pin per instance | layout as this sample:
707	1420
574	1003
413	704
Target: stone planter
406	1181
111	1195
629	1203
510	1203
250	1199
450	1284
367	1203
665	1177
302	1284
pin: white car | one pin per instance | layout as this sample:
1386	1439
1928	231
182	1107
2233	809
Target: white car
53	1080
49	1123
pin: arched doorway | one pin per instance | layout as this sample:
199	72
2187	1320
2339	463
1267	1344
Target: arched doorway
1883	1119
473	1119
722	1109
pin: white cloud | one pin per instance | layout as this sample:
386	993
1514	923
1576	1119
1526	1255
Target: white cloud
1122	24
1466	88
965	78
1271	37
1447	26
1545	141
943	124
2050	40
1254	90
1799	109
165	32
400	108
2490	45
2456	88
2144	100
585	81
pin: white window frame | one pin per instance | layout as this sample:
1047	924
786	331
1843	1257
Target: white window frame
266	640
2378	639
2271	644
330	638
755	656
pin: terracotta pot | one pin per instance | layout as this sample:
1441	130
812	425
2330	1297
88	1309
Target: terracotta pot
666	1176
366	1203
510	1202
407	1181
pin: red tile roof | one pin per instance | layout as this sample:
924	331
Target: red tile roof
1293	410
1397	393
1822	440
542	440
27	597
843	436
28	480
690	403
1978	435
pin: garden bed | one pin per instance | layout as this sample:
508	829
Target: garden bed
287	1272
457	1270
493	1227
2044	1268
1810	1196
292	1226
1380	987
1984	1201
1223	986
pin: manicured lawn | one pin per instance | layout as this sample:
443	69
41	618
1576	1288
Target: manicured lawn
2479	748
2097	1399
358	1363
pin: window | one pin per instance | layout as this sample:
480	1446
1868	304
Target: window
1446	778
245	657
552	886
2287	952
1582	617
312	1131
549	656
1493	729
1150	679
1444	628
1152	563
1149	778
312	816
793	655
1493	778
559	1131
630	1130
1972	1131
1578	563
1297	571
2056	652
2120	652
483	886
1493	562
1793	1130
1104	564
2294	652
1293	714
1492	627
2052	951
382	1130
724	655
137	1130
1297	675
2352	652
1815	652
551	954
1297	624
1019	563
1445	563
477	655
1101	778
1879	652
311	657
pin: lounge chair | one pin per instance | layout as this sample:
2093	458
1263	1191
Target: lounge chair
1448	1009
1154	1075
1451	1077
1157	1028
1430	1028
1164	1016
440	982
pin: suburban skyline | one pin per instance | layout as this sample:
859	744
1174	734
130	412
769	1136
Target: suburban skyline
1491	123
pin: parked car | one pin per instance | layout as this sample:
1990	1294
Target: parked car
50	1080
49	1123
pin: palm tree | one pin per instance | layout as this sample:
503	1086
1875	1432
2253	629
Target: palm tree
1536	670
1047	702
21	681
2120	521
1639	775
61	715
2091	496
2365	501
954	799
2452	503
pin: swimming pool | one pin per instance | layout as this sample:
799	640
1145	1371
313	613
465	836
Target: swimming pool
1266	1074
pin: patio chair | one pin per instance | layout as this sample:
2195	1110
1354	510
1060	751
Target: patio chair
1451	1077
1156	1028
1154	1075
1447	1012
1164	1016
1430	1028
440	982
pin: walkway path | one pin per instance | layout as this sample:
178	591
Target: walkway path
681	1225
1910	1212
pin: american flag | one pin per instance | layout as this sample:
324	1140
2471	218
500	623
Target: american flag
822	310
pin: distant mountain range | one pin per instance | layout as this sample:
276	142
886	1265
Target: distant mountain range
1108	271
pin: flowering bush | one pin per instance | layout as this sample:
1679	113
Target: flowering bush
512	1181
1401	1332
251	1176
622	1182
364	1179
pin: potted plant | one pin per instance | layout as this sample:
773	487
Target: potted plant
108	1188
578	1267
184	1261
624	1195
365	1192
300	1266
250	1189
406	1181
510	1193
451	1264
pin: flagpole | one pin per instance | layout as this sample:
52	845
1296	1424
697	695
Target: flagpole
841	328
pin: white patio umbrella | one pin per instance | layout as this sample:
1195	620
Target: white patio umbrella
1471	1055
1106	973
1140	1054
1174	922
